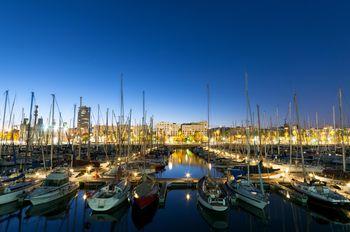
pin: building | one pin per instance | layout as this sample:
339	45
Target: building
167	129
171	129
84	115
189	129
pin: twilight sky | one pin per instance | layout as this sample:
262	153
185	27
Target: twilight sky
172	49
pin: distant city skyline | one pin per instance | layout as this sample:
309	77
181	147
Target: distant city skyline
171	50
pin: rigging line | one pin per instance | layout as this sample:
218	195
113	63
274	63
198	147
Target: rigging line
49	119
59	111
11	112
101	115
93	117
35	102
115	118
101	118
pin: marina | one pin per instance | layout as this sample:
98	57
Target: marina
128	180
174	116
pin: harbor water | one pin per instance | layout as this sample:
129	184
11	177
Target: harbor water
179	213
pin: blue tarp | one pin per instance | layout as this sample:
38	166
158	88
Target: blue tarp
20	176
237	173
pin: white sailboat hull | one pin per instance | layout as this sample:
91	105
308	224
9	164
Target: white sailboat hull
319	197
106	204
14	196
254	202
246	196
53	195
11	197
211	207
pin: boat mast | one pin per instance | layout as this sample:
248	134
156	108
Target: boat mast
121	100
97	137
80	132
13	140
278	132
260	151
151	133
318	135
299	136
35	129
11	117
208	132
143	131
52	128
3	122
249	116
129	137
89	136
290	133
29	128
73	150
342	128
334	128
121	119
106	133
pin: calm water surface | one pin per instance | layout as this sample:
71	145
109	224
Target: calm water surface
180	213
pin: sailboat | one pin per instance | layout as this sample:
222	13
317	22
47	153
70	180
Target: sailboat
319	192
13	187
12	191
315	190
243	188
210	192
247	192
147	192
110	196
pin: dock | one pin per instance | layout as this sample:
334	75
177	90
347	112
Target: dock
163	192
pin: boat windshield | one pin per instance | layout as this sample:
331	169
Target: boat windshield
55	183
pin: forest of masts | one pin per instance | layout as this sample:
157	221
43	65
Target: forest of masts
108	128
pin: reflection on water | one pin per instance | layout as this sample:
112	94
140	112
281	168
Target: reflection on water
54	210
116	215
141	218
9	208
215	220
180	213
183	162
259	214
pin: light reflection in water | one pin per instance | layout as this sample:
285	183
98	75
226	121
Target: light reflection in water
170	165
188	197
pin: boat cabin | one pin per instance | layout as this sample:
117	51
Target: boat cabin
56	179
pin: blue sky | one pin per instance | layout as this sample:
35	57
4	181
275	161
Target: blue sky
172	49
